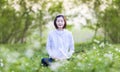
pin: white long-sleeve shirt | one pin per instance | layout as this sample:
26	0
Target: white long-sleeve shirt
60	44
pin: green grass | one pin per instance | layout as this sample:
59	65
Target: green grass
88	57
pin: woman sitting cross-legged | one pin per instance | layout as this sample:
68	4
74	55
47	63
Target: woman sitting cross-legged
60	43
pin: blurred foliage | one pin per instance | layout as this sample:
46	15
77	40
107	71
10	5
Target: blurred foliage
108	14
88	57
20	18
109	21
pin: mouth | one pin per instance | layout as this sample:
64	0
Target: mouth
59	25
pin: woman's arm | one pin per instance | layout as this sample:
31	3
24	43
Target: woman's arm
48	45
71	45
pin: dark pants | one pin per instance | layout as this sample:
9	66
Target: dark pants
46	61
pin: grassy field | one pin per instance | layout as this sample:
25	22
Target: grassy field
88	57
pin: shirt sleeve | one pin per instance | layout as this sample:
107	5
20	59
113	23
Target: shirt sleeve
48	46
71	45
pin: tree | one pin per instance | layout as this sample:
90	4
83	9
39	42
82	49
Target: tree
110	22
19	18
108	14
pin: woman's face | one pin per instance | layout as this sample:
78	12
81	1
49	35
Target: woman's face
60	22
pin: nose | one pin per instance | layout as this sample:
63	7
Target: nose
60	22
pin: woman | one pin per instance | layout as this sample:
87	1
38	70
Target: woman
60	43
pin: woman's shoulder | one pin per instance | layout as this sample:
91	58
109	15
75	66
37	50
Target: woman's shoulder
68	32
51	32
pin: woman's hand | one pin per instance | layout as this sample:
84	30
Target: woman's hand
55	58
59	59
